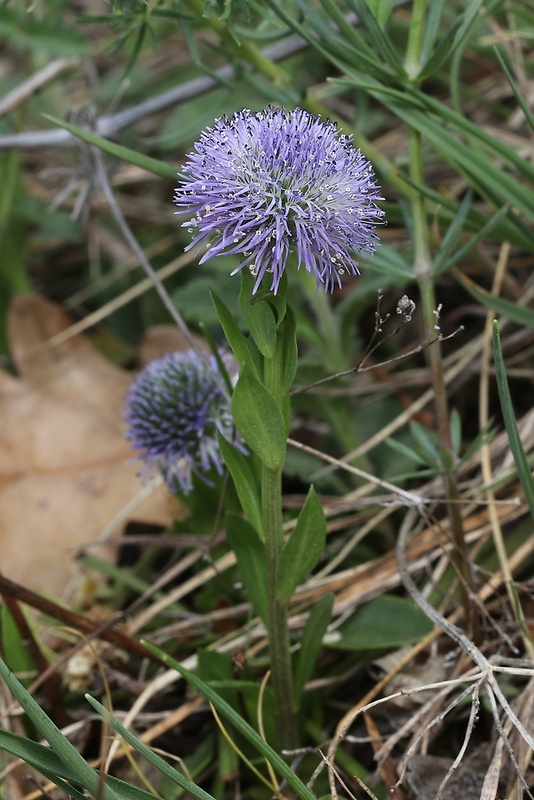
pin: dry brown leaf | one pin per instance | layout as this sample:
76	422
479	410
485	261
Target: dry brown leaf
65	466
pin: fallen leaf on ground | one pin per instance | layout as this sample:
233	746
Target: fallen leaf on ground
66	469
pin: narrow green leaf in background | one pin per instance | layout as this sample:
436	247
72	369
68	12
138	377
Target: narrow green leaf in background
381	9
507	308
46	762
374	21
118	150
170	772
518	451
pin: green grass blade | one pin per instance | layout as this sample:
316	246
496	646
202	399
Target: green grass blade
86	775
276	761
378	36
484	231
516	445
441	53
42	759
118	150
432	29
529	116
507	308
472	161
47	763
156	761
453	233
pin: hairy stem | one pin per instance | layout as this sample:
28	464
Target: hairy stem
279	644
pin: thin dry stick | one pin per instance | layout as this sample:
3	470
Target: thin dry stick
462	360
409	499
422	714
24	90
473	715
139	252
373	345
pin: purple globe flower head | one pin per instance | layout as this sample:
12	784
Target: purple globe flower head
173	411
270	183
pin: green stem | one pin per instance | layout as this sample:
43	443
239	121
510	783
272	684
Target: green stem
412	61
279	644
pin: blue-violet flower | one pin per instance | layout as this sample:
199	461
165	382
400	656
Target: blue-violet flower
269	183
173	411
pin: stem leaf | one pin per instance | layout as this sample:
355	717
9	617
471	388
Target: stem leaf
237	341
250	553
259	420
259	316
311	642
245	482
303	549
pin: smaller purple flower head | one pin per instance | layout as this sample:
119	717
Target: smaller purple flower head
270	183
173	411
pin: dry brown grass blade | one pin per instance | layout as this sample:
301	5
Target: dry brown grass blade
387	767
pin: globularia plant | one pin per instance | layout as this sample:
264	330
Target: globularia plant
274	183
174	411
274	187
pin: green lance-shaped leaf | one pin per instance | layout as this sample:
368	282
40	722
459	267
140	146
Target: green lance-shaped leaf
509	309
259	315
311	642
259	420
245	482
250	554
303	549
243	350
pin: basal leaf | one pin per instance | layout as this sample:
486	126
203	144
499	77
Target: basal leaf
386	621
